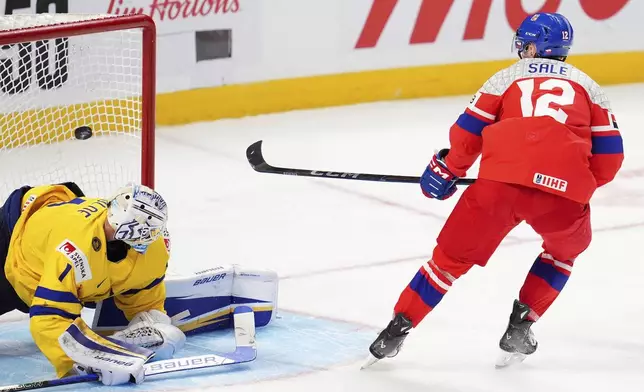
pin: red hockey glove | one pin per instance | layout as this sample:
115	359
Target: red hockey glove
438	182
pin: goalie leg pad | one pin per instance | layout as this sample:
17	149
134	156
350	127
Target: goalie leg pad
204	301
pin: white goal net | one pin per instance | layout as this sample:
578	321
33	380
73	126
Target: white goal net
90	74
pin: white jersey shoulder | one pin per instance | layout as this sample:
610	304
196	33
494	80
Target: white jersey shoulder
539	67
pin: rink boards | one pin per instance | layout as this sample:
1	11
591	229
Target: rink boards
436	80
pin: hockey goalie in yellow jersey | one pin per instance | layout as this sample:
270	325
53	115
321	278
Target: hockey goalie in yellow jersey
62	250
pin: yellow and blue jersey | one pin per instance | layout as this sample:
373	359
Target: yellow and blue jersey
58	260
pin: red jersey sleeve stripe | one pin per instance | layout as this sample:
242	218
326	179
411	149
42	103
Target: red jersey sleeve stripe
488	116
613	132
603	120
485	105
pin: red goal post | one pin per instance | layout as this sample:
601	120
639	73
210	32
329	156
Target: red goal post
117	109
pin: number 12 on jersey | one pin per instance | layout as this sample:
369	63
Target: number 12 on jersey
542	107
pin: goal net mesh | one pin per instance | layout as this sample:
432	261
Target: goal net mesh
50	88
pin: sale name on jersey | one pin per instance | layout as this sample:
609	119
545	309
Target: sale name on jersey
548	68
550	182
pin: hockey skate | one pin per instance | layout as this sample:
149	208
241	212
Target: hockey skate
518	340
390	340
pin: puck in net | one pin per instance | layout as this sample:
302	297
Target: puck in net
83	133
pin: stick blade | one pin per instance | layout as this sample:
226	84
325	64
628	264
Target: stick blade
246	351
254	155
244	320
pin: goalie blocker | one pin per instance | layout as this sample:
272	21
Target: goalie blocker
205	300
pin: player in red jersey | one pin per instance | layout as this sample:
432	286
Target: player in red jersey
547	139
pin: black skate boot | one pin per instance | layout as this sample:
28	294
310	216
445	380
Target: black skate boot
518	340
390	340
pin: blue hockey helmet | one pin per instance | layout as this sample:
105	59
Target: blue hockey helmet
551	33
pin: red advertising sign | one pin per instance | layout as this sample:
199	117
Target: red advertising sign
175	9
432	15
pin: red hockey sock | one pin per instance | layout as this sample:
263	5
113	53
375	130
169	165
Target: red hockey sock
544	282
423	293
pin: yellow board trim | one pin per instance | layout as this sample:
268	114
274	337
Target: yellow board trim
240	100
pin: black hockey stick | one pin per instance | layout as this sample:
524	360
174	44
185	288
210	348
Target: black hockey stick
245	351
257	161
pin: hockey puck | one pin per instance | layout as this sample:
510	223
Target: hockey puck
83	133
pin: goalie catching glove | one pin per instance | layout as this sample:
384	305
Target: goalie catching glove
153	330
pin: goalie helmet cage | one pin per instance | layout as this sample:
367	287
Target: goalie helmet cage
60	72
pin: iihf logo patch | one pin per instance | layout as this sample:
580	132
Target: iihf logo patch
538	178
550	182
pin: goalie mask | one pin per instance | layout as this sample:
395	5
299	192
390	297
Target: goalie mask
138	216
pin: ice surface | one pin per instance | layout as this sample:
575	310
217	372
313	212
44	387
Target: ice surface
346	249
294	344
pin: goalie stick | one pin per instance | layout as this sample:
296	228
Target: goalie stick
259	164
246	351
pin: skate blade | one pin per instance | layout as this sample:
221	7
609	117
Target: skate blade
506	359
369	361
